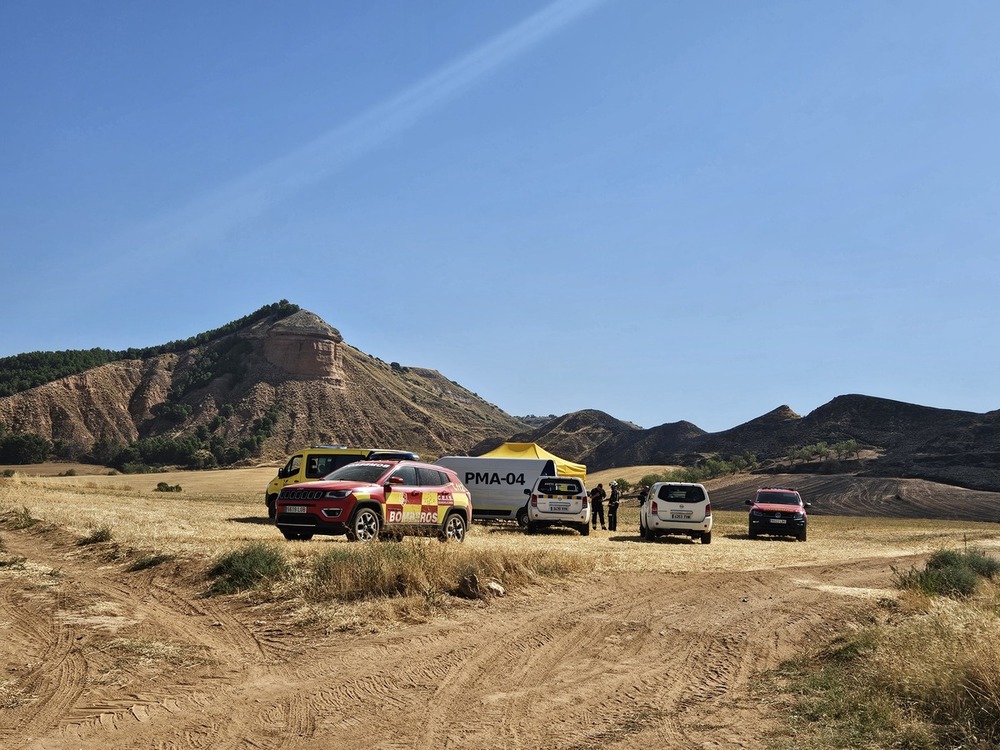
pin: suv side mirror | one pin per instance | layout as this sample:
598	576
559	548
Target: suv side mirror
748	502
808	505
527	492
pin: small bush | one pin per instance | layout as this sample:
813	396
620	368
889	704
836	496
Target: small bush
22	519
373	570
949	573
390	569
103	534
247	567
68	473
8	473
164	487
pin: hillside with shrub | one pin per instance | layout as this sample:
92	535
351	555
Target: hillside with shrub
252	390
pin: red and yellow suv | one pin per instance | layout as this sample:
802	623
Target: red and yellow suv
778	511
366	498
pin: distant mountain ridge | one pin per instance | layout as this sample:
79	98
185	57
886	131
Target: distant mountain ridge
282	378
906	440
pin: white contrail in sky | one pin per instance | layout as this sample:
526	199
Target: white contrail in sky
213	215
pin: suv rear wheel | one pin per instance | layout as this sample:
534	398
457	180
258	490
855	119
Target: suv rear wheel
454	528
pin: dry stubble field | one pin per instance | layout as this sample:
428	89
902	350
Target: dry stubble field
641	644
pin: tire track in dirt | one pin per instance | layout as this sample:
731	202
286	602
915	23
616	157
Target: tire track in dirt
154	611
57	673
613	662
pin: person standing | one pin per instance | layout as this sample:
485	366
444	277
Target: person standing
643	491
613	502
597	496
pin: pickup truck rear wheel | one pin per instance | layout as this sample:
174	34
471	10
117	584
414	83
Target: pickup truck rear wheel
364	526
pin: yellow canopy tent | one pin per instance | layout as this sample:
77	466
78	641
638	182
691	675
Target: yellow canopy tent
532	450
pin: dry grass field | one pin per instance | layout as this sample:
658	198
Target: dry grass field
603	641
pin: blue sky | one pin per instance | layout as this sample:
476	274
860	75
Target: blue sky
693	210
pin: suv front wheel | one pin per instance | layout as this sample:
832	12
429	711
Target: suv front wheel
364	526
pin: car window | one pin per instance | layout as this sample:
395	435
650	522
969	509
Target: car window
781	498
559	487
335	461
317	466
673	494
408	474
431	477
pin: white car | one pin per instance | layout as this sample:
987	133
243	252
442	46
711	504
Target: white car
676	508
558	501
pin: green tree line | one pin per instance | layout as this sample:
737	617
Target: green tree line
822	451
710	468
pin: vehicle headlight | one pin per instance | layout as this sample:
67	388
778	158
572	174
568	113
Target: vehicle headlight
756	513
337	494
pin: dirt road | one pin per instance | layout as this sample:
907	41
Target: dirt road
96	657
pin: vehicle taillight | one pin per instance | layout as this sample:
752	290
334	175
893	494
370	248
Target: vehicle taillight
585	500
534	501
708	509
652	507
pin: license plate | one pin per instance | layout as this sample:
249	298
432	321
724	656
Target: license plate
558	507
778	520
295	509
680	516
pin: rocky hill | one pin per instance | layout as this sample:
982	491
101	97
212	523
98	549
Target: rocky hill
283	378
256	393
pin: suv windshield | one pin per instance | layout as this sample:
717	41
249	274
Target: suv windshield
780	498
359	472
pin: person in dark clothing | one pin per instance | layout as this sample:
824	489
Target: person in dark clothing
597	496
613	502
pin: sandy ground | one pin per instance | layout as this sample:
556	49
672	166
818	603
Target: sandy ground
663	644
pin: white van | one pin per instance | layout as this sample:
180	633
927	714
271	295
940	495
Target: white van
497	485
